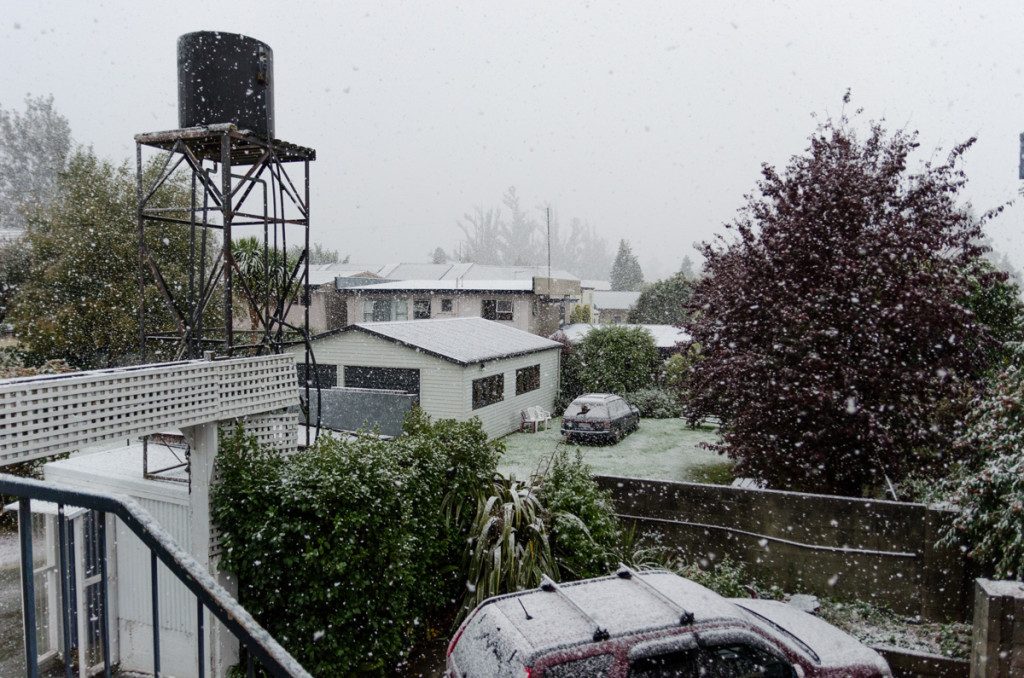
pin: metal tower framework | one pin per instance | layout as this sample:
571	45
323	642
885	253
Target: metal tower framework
241	188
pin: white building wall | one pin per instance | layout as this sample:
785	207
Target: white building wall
446	389
464	305
504	417
168	502
177	605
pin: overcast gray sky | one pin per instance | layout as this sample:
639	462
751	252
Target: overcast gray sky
649	120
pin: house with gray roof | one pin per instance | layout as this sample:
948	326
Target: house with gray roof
459	368
532	304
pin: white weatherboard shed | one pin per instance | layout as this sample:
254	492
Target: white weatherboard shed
460	367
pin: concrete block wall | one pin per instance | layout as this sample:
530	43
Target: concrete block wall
848	549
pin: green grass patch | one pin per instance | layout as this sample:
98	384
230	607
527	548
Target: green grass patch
661	449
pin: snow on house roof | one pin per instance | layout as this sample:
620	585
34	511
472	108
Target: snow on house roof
448	286
608	299
665	336
461	340
468	271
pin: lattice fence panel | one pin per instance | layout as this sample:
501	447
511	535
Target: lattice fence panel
42	416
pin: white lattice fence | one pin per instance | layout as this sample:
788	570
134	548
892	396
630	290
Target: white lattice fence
42	416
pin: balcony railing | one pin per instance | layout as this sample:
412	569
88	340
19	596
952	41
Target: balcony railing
260	647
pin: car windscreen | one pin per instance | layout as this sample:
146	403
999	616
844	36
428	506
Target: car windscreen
587	411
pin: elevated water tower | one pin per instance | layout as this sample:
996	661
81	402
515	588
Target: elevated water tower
225	204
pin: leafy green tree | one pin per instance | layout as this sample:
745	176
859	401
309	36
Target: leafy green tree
834	333
34	146
996	303
80	300
14	270
626	274
663	302
439	256
580	314
612	359
518	239
318	254
988	483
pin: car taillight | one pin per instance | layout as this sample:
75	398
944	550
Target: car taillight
607	424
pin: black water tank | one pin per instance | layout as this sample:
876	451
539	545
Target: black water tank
225	77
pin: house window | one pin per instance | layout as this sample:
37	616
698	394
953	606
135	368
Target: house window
446	306
527	379
421	309
488	390
496	309
384	310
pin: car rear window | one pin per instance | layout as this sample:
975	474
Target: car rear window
483	651
593	411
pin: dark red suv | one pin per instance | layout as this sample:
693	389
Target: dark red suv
650	625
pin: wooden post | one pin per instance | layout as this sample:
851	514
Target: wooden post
998	641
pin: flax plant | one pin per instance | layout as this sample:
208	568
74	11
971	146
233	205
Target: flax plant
507	548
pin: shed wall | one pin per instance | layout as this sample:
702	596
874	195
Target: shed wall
445	387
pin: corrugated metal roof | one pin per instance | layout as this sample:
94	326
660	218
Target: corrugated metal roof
607	299
461	340
449	286
665	336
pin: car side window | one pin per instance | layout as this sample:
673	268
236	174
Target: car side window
738	660
679	664
596	666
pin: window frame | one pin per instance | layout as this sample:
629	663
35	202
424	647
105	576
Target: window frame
489	390
497	309
421	309
527	379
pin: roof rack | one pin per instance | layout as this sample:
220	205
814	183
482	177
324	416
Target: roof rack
685	616
547	584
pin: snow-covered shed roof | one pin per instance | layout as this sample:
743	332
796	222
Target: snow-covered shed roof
608	299
665	336
465	341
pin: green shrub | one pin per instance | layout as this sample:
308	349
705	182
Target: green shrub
655	403
988	484
341	551
726	577
609	359
582	525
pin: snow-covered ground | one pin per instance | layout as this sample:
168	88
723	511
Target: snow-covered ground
665	449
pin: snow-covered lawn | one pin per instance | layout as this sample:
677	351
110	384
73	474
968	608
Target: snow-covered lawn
664	449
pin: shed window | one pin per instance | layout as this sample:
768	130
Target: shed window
488	390
326	375
527	379
446	306
421	309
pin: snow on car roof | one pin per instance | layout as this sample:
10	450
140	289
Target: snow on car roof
461	340
618	605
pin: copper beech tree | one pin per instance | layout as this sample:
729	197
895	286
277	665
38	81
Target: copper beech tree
838	347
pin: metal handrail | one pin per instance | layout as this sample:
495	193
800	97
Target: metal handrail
260	645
